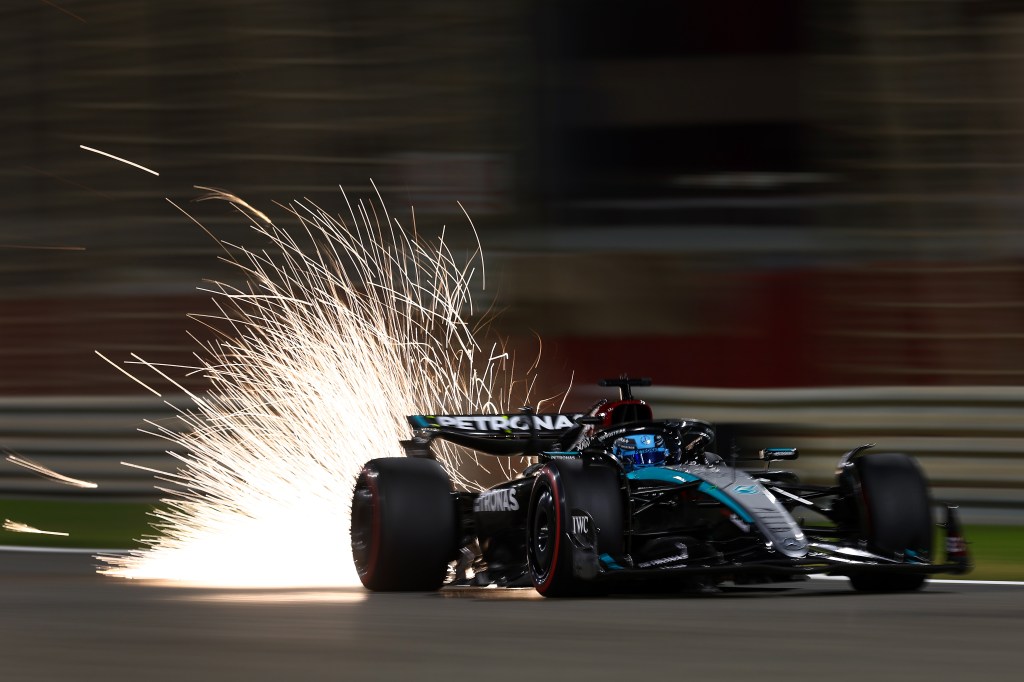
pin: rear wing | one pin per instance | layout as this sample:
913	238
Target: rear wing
525	433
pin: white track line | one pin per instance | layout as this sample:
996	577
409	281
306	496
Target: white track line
936	581
60	550
77	550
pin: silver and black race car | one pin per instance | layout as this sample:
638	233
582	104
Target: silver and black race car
616	500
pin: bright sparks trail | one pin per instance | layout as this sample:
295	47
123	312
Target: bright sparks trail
118	158
340	331
16	527
49	473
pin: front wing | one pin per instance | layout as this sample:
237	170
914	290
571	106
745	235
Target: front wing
822	558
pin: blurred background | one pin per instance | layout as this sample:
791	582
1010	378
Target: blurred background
747	200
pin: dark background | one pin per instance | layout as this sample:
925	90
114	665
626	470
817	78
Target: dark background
716	193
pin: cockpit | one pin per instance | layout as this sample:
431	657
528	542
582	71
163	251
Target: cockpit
641	450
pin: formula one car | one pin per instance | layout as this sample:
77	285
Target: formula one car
616	500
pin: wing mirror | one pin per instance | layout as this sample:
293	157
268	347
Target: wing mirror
774	454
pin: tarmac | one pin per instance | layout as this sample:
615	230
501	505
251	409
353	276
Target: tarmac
59	620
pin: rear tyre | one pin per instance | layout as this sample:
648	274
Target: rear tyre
404	525
895	517
559	488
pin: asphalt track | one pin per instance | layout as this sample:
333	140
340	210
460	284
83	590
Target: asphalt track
61	621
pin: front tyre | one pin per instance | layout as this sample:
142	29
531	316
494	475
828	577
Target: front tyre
548	554
557	490
404	525
894	515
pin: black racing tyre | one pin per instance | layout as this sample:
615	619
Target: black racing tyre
404	525
894	512
560	487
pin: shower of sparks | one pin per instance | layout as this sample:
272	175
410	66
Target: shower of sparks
49	473
341	330
16	527
118	158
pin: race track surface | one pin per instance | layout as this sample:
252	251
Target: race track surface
60	621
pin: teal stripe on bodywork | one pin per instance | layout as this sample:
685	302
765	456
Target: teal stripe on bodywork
610	562
677	477
419	422
716	493
660	474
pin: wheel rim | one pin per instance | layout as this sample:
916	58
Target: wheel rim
543	540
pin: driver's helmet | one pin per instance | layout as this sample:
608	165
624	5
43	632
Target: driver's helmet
641	450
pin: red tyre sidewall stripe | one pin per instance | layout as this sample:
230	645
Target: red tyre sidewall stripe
543	587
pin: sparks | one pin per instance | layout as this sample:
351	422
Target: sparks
49	473
16	527
118	158
334	338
